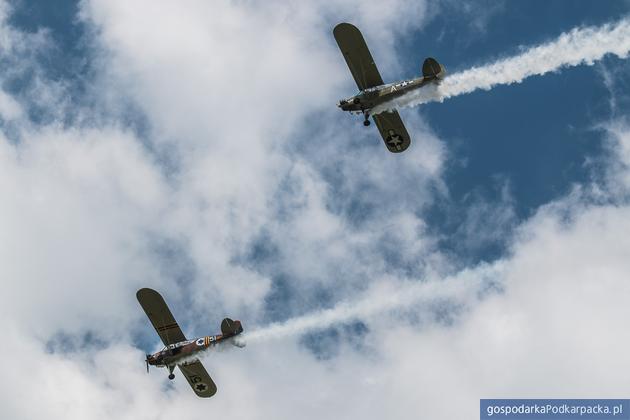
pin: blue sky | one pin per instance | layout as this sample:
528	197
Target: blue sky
196	149
534	137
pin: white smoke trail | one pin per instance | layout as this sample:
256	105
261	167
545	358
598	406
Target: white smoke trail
579	46
461	289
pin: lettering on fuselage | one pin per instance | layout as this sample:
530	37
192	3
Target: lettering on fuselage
395	87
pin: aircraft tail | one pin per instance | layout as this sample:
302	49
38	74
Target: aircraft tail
230	327
431	69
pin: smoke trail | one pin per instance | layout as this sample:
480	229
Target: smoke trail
579	46
461	289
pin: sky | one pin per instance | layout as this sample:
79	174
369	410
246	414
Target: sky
195	148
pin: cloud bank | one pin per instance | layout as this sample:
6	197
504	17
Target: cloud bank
198	163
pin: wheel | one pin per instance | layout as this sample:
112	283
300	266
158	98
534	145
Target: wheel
366	123
171	376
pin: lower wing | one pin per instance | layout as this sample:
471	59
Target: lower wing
199	380
393	131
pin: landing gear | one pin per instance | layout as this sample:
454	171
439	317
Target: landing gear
171	376
366	122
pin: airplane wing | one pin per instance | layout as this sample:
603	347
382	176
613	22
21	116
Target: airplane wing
393	131
160	316
357	55
199	380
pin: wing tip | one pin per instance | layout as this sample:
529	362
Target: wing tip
400	150
197	375
344	27
144	292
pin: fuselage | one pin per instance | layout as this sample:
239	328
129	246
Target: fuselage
184	352
369	98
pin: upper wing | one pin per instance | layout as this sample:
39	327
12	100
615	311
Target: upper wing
199	380
393	131
357	55
160	316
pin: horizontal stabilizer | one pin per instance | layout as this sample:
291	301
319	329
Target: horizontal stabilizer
431	69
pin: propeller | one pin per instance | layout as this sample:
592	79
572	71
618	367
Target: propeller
147	360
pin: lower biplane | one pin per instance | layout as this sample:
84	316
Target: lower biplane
179	351
373	91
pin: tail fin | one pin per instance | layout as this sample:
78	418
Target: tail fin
431	69
230	327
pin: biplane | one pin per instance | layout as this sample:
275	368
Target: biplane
373	91
179	351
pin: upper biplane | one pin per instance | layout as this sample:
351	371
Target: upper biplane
372	90
181	352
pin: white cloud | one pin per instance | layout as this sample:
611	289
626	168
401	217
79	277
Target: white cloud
10	109
618	145
228	86
78	206
229	91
